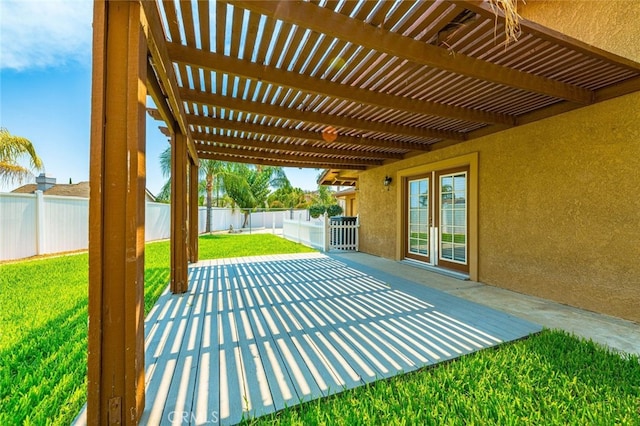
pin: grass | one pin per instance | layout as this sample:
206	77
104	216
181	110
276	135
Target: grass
43	324
446	237
551	378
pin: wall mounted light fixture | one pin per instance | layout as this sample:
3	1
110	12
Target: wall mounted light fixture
387	181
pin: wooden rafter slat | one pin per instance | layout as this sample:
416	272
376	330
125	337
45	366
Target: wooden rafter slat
187	21
311	135
171	15
555	37
470	37
207	60
236	31
293	47
224	144
281	45
290	133
337	25
156	42
311	163
356	64
265	39
445	17
221	26
205	39
305	52
347	7
252	34
416	16
331	59
162	107
381	13
397	14
323	46
315	117
365	9
340	66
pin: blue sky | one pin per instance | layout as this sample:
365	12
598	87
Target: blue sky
45	89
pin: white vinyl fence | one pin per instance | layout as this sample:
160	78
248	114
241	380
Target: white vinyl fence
33	224
324	233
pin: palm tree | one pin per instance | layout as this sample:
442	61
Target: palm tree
249	186
212	171
165	167
12	150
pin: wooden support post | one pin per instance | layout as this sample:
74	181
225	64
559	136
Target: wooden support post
179	234
193	212
116	215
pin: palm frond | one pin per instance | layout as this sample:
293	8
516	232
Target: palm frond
12	150
509	8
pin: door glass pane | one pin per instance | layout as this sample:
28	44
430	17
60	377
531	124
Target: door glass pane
453	217
418	238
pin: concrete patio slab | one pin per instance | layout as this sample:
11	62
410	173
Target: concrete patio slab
615	333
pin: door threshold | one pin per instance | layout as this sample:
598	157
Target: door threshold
438	270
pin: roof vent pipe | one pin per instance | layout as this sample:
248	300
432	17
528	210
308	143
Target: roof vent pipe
45	182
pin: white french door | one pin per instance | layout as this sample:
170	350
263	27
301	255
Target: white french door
436	219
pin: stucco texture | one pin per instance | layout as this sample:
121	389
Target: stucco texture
559	202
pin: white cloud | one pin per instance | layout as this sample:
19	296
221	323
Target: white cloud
44	33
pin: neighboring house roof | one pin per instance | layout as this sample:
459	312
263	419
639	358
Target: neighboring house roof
80	189
345	192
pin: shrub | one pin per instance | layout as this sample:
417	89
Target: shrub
334	210
316	210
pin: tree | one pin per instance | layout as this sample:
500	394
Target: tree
324	201
249	186
212	170
165	167
12	150
287	197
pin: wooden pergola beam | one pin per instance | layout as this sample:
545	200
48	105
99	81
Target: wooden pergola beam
238	149
325	21
116	381
193	211
319	163
162	110
218	123
165	72
179	235
249	142
315	117
268	74
484	9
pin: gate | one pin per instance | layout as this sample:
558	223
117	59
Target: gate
343	233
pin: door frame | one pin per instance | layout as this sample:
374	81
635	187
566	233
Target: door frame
437	217
469	160
405	226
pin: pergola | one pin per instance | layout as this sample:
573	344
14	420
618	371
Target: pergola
339	85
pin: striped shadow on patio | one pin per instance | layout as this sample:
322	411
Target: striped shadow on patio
255	335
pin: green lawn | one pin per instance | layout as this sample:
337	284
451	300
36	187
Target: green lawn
43	324
550	378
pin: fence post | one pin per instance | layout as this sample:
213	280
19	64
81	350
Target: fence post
326	229
273	222
358	232
299	225
40	231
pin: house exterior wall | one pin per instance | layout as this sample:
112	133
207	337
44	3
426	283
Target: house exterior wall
558	207
349	204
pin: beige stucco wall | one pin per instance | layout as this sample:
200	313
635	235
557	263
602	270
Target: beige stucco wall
559	202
